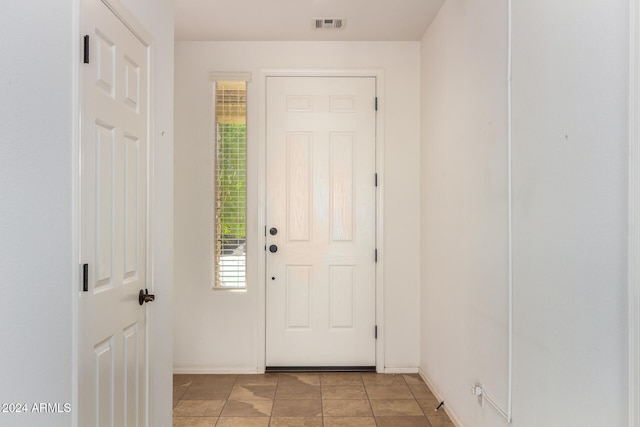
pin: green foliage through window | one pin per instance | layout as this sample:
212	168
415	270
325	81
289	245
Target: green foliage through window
230	168
232	171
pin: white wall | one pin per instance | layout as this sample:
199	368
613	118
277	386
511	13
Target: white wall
570	68
38	200
217	330
569	210
464	239
36	213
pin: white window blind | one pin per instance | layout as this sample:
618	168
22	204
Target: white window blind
230	184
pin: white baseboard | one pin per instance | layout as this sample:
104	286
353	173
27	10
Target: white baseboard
388	370
452	416
239	371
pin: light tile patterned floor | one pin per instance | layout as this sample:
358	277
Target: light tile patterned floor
305	400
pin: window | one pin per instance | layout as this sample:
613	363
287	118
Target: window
230	174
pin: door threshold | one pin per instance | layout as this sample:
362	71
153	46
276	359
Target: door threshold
271	369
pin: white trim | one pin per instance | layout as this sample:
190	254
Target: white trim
380	133
378	74
436	393
149	312
401	370
219	76
76	109
129	21
634	216
261	281
217	371
508	414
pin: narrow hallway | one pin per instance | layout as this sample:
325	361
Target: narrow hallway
305	399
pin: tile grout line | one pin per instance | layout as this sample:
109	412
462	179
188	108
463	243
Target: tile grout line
235	381
361	381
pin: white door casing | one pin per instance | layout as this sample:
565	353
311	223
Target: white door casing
321	198
112	325
634	216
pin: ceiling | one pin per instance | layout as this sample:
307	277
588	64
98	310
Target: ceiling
291	20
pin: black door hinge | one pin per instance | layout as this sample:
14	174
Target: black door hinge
375	256
375	332
85	277
376	179
86	49
376	103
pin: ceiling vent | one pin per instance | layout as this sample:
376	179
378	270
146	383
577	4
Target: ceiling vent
329	23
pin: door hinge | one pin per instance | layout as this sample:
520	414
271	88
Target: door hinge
85	277
376	179
86	49
375	332
376	103
375	256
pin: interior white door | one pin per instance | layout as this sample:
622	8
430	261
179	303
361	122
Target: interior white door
112	324
320	216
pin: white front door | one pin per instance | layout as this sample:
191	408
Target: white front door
320	217
112	324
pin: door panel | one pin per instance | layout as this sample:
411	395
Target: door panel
321	197
299	181
112	324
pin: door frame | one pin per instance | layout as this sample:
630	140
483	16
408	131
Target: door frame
129	21
378	74
633	261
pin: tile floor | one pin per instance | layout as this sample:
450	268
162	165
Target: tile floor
305	400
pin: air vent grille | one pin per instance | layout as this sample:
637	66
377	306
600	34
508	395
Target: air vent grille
328	23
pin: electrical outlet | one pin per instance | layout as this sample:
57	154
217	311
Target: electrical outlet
477	391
